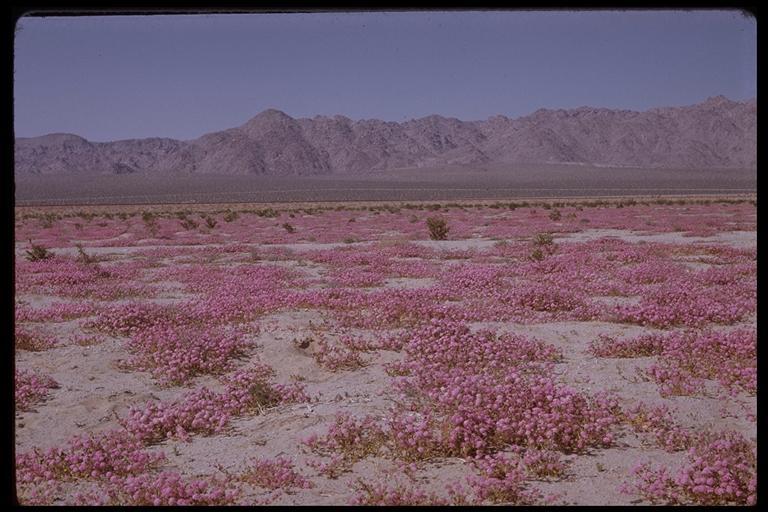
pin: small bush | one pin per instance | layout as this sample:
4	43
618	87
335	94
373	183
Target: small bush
542	239
188	223
229	216
438	228
84	257
48	219
289	228
210	222
267	212
555	215
38	252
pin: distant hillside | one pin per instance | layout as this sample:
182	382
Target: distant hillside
717	133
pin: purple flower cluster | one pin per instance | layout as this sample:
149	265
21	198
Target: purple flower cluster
168	488
501	481
335	356
687	357
347	440
103	456
484	391
721	470
33	340
30	388
278	473
207	412
176	354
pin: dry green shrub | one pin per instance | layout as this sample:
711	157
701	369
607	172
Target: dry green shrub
38	252
438	228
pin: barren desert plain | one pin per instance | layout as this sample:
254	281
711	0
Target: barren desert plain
566	352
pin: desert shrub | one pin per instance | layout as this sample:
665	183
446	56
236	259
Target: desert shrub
537	255
267	212
229	216
555	214
542	239
438	228
148	218
48	218
210	222
289	228
84	257
188	223
38	252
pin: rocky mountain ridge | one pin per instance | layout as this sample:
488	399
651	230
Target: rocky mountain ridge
717	133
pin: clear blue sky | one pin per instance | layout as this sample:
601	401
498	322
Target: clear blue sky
108	78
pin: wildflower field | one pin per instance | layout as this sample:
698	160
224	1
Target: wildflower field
580	352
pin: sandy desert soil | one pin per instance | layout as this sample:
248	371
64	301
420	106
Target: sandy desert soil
500	365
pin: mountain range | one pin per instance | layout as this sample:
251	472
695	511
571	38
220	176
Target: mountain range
717	133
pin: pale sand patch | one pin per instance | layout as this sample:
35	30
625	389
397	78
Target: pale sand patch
464	244
91	391
614	300
695	265
733	238
409	283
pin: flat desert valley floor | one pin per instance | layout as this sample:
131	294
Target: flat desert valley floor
582	352
447	183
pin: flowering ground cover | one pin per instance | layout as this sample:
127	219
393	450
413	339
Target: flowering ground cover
582	352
